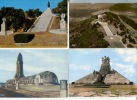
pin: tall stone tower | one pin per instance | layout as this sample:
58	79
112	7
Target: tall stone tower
19	67
105	66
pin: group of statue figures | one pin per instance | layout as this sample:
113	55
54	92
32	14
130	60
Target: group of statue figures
105	60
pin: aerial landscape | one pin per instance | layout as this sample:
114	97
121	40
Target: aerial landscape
104	73
43	24
42	78
103	25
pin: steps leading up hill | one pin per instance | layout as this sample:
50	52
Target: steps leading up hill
43	22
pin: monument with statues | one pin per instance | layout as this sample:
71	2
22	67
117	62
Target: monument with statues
3	28
104	76
62	23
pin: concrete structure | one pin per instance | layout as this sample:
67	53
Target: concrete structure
3	28
43	78
43	21
63	88
105	75
62	23
102	18
62	29
19	67
17	85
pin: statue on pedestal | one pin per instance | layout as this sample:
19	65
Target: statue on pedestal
48	4
105	66
62	23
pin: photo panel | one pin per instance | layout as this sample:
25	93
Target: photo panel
29	24
33	73
103	24
103	73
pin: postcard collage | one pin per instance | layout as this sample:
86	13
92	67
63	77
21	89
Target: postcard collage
68	49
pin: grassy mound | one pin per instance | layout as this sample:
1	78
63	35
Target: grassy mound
85	35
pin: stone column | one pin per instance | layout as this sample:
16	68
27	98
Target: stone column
17	85
3	26
63	88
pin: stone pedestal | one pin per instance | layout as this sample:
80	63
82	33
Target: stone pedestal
3	27
17	85
63	88
62	25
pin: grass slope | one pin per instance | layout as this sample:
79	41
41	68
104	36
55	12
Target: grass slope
123	7
84	35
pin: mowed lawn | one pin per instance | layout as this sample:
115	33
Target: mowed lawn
113	88
51	91
43	39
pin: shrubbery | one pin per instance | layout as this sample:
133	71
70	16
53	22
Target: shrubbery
129	21
130	46
23	38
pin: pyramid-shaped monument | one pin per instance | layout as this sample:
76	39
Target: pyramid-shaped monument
41	24
104	76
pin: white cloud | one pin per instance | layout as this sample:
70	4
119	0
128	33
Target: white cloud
124	68
80	67
128	55
131	59
126	51
85	67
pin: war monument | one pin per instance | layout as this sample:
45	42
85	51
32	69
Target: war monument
44	84
43	78
106	82
104	76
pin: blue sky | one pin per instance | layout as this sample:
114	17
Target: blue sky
29	4
85	61
35	61
103	1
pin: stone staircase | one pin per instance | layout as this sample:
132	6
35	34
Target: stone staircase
43	22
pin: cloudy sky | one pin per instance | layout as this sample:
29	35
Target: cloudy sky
85	61
35	61
29	4
103	1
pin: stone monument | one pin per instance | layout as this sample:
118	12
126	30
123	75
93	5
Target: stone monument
105	66
17	85
63	88
3	26
104	76
62	23
19	67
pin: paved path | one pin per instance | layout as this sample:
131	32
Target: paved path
106	28
43	22
114	41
